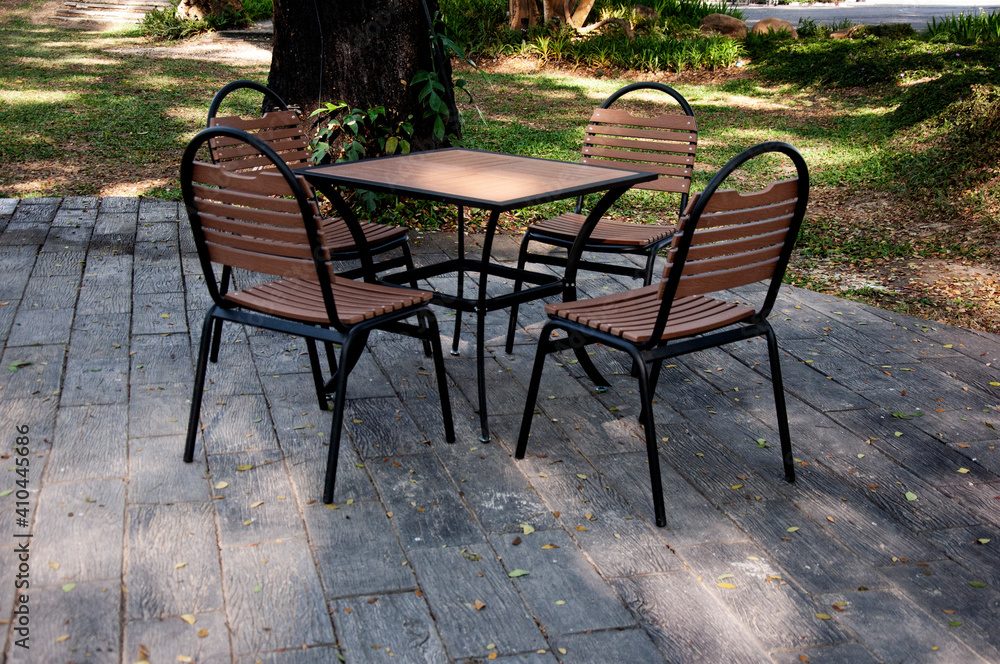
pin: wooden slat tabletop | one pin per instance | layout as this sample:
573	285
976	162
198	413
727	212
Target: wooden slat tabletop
474	178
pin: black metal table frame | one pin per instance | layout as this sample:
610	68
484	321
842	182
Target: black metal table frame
546	284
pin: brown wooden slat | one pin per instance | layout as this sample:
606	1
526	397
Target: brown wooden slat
210	212
672	171
272	119
265	183
631	315
277	265
683	148
665	121
234	197
276	233
703	252
748	229
244	152
337	236
783	210
643	157
635	132
669	185
718	281
301	299
730	199
267	247
567	226
731	261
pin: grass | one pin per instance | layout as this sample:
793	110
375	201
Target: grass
82	115
900	173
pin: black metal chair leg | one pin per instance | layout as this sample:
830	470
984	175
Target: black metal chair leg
317	374
587	364
408	258
647	275
429	323
216	341
227	275
654	378
331	357
199	384
544	348
779	405
522	257
336	427
646	418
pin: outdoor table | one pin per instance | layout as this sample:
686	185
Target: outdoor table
482	180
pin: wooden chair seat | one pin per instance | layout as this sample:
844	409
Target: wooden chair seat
298	299
632	315
567	226
337	236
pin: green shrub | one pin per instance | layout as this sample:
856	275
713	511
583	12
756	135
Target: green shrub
860	62
928	99
166	25
966	29
258	10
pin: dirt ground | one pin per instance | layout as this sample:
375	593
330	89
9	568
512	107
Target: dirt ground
951	291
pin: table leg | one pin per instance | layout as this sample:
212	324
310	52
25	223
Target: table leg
481	324
461	279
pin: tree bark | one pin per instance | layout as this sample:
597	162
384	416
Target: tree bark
523	13
361	52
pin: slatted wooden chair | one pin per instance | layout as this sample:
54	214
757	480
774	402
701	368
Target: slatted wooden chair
724	240
664	144
283	131
264	222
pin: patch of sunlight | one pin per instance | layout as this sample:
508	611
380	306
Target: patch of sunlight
187	114
741	101
134	188
36	96
88	61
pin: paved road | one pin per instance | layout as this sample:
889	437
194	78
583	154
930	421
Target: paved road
871	12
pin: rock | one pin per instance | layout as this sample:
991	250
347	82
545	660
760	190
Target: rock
848	33
724	24
198	10
766	25
646	13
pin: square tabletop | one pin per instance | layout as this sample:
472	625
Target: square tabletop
478	179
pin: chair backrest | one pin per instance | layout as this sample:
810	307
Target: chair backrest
261	221
663	144
281	129
726	239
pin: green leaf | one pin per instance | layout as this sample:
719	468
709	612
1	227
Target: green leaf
954	623
910	495
17	364
907	416
7	492
792	529
985	540
69	586
257	589
977	584
391	144
518	572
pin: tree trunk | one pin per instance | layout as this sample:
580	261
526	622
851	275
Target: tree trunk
523	13
363	53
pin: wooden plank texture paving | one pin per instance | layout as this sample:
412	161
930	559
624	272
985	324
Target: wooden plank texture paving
886	549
